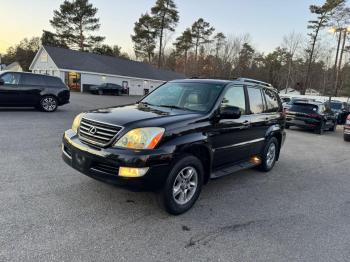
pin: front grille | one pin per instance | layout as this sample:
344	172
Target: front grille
105	168
97	133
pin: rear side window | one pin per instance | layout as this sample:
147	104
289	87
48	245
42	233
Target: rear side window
11	78
255	100
235	97
272	103
53	81
33	80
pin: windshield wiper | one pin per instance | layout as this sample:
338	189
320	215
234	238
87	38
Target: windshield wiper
145	103
173	106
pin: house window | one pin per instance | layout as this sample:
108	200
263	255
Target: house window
73	81
43	57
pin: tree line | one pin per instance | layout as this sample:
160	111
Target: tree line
300	62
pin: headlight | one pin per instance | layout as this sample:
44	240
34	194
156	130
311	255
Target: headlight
76	122
141	138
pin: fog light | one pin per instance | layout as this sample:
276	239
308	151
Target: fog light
255	160
132	172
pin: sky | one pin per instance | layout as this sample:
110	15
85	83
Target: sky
267	21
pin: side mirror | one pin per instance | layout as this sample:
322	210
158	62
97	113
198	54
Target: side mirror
230	112
2	82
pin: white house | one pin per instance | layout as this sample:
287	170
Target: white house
80	70
14	67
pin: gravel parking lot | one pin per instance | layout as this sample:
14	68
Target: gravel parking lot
49	212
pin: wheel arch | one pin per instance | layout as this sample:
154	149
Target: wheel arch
275	131
203	152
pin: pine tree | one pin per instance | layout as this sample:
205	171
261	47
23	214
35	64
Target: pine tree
324	13
75	22
165	17
219	39
144	37
108	50
50	39
201	32
183	44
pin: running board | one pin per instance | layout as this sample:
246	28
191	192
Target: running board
232	169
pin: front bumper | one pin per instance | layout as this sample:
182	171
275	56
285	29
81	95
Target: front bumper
103	163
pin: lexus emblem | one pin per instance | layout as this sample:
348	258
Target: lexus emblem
92	130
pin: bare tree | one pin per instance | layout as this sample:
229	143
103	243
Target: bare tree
291	42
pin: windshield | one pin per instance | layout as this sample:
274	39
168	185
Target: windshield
336	106
188	96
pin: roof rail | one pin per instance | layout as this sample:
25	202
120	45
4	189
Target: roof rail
253	81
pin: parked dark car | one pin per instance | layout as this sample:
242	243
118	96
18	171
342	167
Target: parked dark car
347	129
341	109
108	88
293	100
178	137
285	99
43	92
311	115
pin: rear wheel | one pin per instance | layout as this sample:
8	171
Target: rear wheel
269	155
48	104
183	185
100	92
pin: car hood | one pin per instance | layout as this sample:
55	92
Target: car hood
140	114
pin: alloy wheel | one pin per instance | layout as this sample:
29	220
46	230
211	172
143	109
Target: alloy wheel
49	104
185	185
271	155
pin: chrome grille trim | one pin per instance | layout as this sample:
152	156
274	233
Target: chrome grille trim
105	133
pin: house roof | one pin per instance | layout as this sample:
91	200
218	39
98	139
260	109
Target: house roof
89	62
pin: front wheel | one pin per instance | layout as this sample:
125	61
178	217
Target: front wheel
334	127
269	155
183	185
48	104
320	130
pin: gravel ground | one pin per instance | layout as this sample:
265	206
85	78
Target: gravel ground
49	212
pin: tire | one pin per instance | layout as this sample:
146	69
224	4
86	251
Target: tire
269	155
187	167
334	127
100	92
287	126
320	130
48	104
346	138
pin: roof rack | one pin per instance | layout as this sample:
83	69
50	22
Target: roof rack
253	81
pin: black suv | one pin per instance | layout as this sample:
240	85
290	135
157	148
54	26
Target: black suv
312	115
108	88
32	90
180	136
